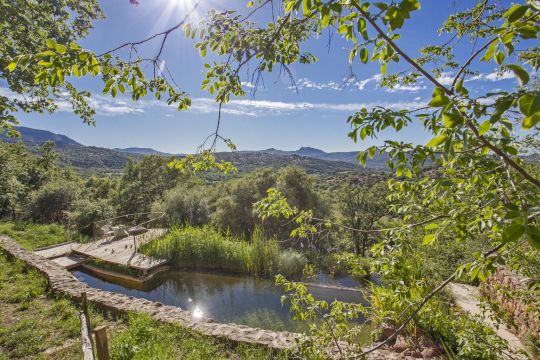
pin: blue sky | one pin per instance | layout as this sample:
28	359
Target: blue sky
277	117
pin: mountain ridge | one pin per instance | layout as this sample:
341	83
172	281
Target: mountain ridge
104	160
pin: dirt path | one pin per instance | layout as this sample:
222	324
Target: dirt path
467	297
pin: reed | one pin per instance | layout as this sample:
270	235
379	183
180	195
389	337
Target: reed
205	248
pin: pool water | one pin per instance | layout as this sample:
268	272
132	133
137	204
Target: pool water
226	298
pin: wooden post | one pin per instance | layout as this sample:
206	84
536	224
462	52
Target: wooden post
102	344
86	339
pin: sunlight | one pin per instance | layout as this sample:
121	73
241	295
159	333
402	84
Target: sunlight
173	10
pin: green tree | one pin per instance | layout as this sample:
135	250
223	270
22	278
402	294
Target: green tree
184	204
52	201
144	182
361	208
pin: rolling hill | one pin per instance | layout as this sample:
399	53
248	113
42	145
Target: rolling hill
92	159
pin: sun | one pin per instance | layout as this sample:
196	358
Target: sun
174	10
184	5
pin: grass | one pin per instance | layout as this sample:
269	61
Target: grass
209	249
33	320
30	320
148	339
34	236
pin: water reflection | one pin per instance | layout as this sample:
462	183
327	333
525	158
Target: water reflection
226	298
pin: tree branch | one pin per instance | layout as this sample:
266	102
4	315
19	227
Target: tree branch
165	34
469	61
505	158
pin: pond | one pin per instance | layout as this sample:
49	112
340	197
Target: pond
228	298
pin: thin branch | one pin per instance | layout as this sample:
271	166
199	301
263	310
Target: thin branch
165	33
256	9
370	231
470	60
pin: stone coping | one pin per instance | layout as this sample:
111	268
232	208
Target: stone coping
63	282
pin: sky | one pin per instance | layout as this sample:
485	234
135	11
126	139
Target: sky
277	116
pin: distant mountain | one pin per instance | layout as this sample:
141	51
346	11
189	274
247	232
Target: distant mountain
92	159
35	136
379	162
86	159
142	151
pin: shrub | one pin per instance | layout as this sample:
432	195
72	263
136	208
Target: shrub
51	202
87	212
291	263
184	205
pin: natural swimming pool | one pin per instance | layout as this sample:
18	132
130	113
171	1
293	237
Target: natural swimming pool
229	298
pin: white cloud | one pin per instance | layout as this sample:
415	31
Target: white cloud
409	88
247	84
104	105
305	83
495	76
108	106
265	107
446	78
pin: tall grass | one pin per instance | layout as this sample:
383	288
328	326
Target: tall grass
207	248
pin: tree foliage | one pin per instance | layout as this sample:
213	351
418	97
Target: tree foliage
27	28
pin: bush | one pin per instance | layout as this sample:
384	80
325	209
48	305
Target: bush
184	205
52	201
87	212
291	263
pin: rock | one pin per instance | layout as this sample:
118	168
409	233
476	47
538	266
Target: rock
430	353
400	345
386	332
413	353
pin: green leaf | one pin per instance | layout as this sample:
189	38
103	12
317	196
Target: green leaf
522	75
428	239
529	104
452	119
439	98
484	127
489	52
515	12
513	232
61	48
499	57
364	55
530	121
51	44
306	6
436	141
534	237
431	226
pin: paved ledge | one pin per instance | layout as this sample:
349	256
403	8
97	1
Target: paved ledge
61	281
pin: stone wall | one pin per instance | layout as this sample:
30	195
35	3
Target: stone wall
501	288
63	282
